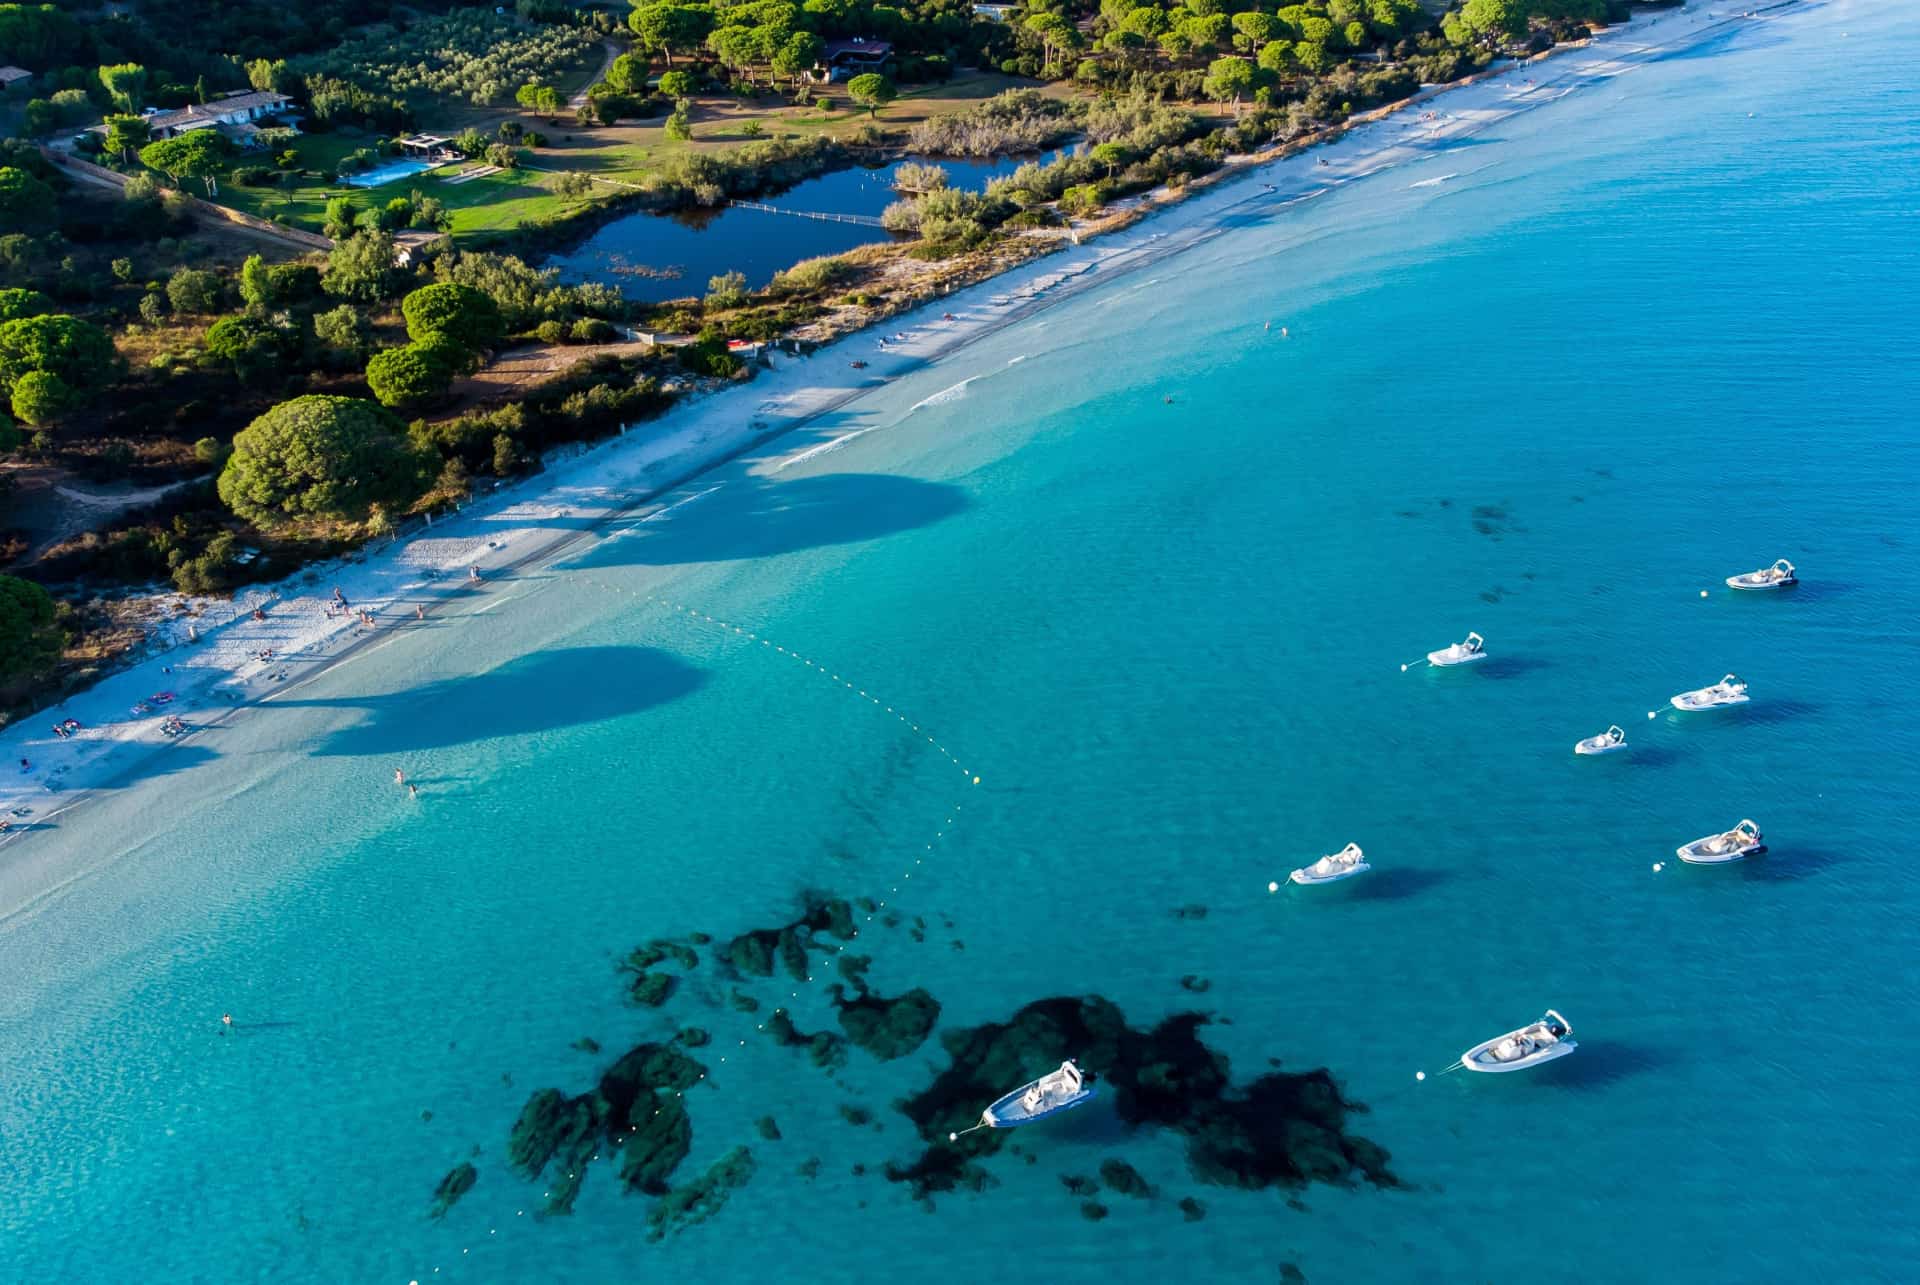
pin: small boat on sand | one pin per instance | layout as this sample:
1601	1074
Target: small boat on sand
1052	1093
1472	648
1777	576
1718	849
1728	691
1605	743
1333	867
1543	1041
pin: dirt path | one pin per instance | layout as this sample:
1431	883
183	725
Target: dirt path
613	51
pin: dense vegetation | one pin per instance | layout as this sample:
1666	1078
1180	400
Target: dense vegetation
470	55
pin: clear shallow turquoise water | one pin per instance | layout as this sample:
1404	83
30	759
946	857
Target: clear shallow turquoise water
1652	338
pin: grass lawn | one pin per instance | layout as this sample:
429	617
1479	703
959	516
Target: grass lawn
497	202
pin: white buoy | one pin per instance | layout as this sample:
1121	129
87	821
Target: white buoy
1273	887
1658	866
1703	593
1652	713
953	1137
1419	1075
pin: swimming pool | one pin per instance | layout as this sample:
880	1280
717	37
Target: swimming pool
388	173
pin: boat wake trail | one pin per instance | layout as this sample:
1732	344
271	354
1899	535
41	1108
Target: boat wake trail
1432	182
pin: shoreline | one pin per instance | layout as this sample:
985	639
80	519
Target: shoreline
579	497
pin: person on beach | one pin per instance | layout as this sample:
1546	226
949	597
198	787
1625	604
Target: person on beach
473	575
419	612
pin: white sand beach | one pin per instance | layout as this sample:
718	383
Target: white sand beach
236	660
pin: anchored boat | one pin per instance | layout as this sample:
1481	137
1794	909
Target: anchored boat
1052	1093
1728	691
1472	648
1718	849
1777	576
1605	743
1333	867
1543	1041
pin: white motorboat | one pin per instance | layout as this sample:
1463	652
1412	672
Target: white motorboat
1606	743
1054	1092
1543	1041
1718	849
1728	691
1461	653
1777	576
1333	867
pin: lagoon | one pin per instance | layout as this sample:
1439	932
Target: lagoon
652	257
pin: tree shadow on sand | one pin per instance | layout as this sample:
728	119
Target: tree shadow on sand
755	517
542	692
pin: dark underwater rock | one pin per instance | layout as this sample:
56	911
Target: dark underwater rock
693	1037
1193	910
1195	983
650	990
793	954
1280	1130
632	1107
537	1131
888	1028
458	1182
587	1044
1093	1211
752	952
1193	1209
743	1002
940	1169
768	1128
701	1199
655	1144
826	1049
1290	1274
658	950
1078	1184
855	1115
1122	1179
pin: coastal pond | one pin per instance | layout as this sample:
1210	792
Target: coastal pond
652	257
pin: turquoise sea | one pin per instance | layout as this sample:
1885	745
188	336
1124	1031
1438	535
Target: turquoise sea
1632	342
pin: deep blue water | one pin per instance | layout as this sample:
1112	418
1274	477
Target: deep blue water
1652	335
653	257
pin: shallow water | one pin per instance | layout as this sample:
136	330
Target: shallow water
653	257
1647	337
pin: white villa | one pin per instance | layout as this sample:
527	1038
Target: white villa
235	115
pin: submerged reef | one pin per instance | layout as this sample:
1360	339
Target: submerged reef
702	1198
458	1182
756	951
1280	1130
887	1028
634	1110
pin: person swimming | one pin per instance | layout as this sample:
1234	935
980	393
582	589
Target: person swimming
399	777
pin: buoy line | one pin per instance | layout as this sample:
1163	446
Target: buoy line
826	978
